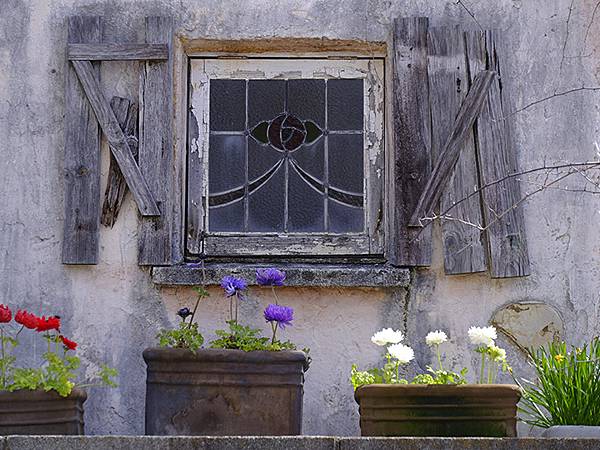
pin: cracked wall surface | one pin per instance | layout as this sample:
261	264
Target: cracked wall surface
113	309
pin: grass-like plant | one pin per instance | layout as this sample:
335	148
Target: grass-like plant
567	390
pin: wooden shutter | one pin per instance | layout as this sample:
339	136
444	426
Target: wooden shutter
81	157
156	145
151	181
464	245
438	103
497	158
410	246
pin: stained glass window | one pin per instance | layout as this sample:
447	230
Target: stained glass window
286	156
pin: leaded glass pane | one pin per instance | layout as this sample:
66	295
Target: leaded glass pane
306	100
227	105
292	161
345	219
266	99
226	162
266	205
346	162
345	104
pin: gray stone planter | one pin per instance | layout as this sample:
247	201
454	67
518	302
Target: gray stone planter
481	410
41	413
224	392
572	431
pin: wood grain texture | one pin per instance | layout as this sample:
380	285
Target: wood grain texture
448	157
81	158
464	246
156	146
117	52
126	113
116	139
496	149
412	141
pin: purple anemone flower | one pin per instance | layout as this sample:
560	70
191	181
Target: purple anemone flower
184	312
270	277
283	315
233	286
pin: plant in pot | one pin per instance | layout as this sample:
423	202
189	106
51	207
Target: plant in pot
45	399
565	398
438	402
244	383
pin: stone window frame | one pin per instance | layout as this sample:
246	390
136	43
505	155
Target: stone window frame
327	271
367	243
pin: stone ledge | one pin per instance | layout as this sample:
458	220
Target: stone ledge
318	275
289	443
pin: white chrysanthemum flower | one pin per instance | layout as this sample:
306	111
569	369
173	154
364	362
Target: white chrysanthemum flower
403	353
387	336
436	337
482	335
496	353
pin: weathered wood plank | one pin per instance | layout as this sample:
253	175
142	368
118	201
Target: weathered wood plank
117	52
156	146
448	158
496	149
412	141
126	113
81	158
116	139
464	247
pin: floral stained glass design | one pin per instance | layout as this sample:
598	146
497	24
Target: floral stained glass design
286	156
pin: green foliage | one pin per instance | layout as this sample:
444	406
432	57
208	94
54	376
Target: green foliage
440	377
107	374
386	375
201	292
241	337
185	336
567	391
57	374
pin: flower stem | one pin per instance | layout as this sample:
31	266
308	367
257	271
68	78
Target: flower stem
437	347
397	371
275	295
481	375
237	302
274	327
231	309
3	360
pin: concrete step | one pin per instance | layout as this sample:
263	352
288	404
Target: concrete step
288	443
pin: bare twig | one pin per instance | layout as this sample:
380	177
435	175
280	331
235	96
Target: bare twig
460	2
556	94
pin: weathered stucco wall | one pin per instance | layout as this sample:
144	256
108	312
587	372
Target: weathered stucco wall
113	309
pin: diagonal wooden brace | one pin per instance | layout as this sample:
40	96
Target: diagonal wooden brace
469	110
116	139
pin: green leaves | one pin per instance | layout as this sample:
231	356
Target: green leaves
568	386
389	375
440	377
241	337
107	374
185	336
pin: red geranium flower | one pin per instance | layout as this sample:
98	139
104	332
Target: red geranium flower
51	323
5	314
69	344
28	320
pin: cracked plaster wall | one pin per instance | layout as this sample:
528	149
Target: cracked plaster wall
113	309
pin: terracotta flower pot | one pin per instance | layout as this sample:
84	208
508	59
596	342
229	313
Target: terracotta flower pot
41	413
438	410
224	392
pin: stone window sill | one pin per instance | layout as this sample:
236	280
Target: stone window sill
309	275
